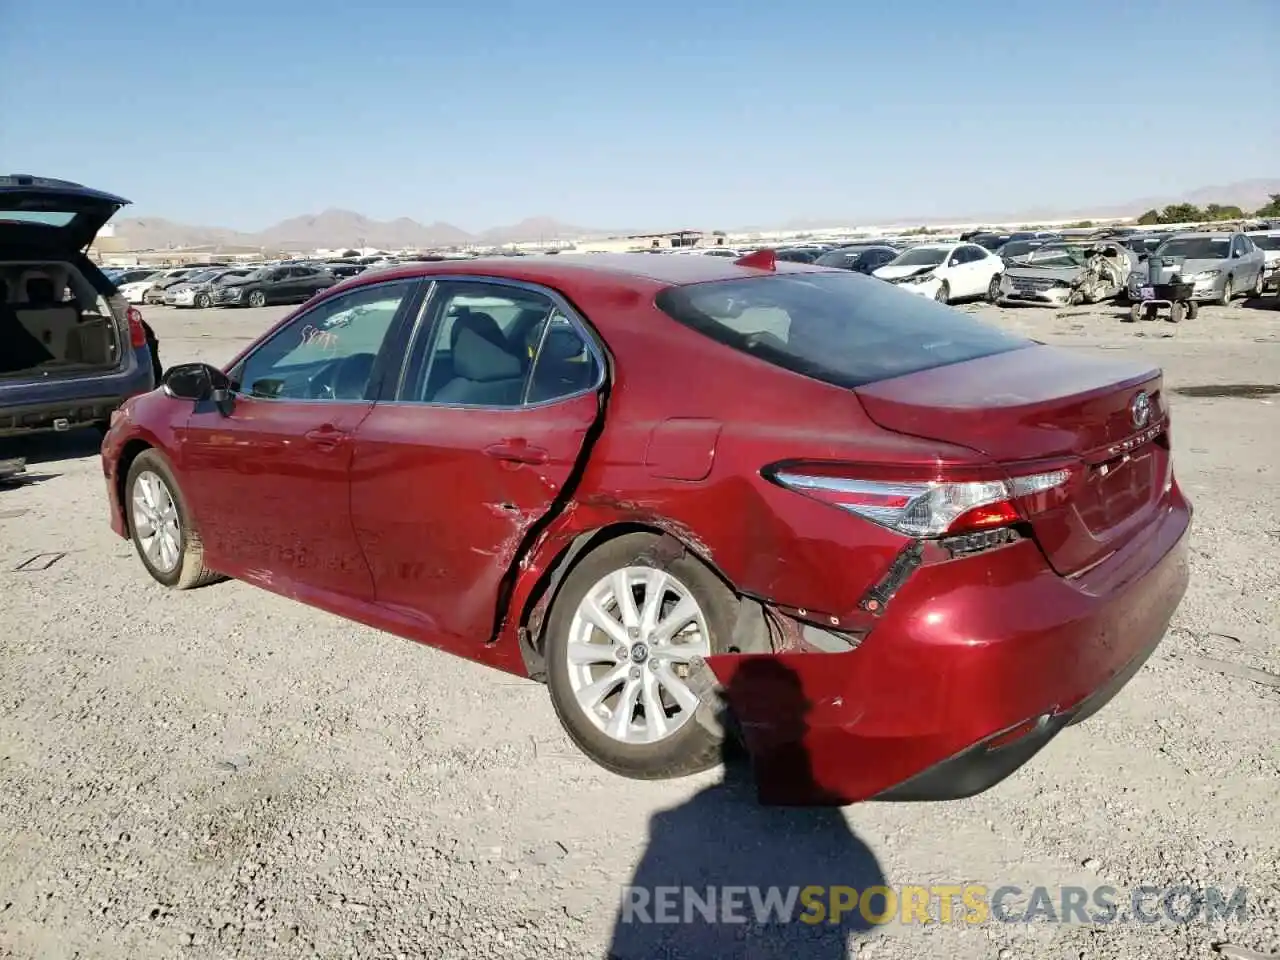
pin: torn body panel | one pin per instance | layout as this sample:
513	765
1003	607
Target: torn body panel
949	669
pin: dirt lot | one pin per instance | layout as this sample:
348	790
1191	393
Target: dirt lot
226	773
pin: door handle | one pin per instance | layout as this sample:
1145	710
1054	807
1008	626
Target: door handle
516	451
326	437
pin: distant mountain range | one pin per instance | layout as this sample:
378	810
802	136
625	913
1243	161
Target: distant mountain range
339	228
345	228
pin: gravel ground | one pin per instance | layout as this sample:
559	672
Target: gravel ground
224	773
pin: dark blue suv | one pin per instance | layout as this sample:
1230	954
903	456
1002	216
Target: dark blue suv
71	349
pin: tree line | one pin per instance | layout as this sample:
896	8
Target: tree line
1190	213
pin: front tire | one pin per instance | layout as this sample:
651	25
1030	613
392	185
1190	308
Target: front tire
621	637
1259	285
993	289
944	293
161	526
1227	293
202	301
257	298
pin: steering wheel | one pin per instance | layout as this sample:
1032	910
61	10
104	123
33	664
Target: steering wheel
320	387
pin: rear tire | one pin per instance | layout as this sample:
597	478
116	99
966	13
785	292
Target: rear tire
1193	309
1176	312
944	293
1135	313
634	748
161	527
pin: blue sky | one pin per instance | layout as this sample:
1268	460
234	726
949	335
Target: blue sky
658	114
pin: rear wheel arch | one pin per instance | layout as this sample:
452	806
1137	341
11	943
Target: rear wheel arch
533	615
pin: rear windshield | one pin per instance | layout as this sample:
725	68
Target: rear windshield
841	328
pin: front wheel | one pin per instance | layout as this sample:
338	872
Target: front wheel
626	638
1135	313
1227	293
161	527
202	301
1259	285
993	289
257	298
944	293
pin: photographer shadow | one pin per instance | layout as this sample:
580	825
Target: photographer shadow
748	865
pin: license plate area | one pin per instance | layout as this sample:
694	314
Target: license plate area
1147	293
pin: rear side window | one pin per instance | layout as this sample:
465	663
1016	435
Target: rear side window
842	328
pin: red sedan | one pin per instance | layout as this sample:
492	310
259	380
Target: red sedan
905	549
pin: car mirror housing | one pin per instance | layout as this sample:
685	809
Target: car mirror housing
196	382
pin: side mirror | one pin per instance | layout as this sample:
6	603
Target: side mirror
198	382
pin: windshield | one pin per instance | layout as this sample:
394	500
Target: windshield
200	276
1020	248
842	328
1059	255
1196	248
920	257
1265	241
839	258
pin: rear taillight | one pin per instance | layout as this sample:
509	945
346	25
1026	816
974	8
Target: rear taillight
137	332
936	507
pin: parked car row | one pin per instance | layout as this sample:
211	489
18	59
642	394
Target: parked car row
1059	269
251	285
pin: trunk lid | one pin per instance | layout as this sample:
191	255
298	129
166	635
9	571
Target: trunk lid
1040	407
46	213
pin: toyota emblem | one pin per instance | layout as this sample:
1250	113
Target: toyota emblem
1140	410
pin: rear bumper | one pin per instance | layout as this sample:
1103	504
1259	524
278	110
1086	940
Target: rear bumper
67	405
995	647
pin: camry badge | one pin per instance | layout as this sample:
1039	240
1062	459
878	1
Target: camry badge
1140	409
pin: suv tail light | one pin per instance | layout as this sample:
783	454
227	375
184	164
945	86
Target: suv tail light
939	506
137	332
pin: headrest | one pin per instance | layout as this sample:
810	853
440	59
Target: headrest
40	291
477	358
480	324
562	343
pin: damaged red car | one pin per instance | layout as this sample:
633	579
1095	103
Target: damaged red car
893	549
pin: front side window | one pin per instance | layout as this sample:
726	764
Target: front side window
842	328
328	352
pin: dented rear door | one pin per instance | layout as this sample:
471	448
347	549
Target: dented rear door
445	493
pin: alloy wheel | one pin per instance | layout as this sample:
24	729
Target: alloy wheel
156	522
632	641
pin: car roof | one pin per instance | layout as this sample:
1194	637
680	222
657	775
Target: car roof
1204	235
638	270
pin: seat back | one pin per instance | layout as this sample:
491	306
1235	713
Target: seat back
485	371
50	321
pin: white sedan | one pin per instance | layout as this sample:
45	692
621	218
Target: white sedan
946	271
134	292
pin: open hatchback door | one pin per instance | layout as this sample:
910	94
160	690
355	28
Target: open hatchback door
52	214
